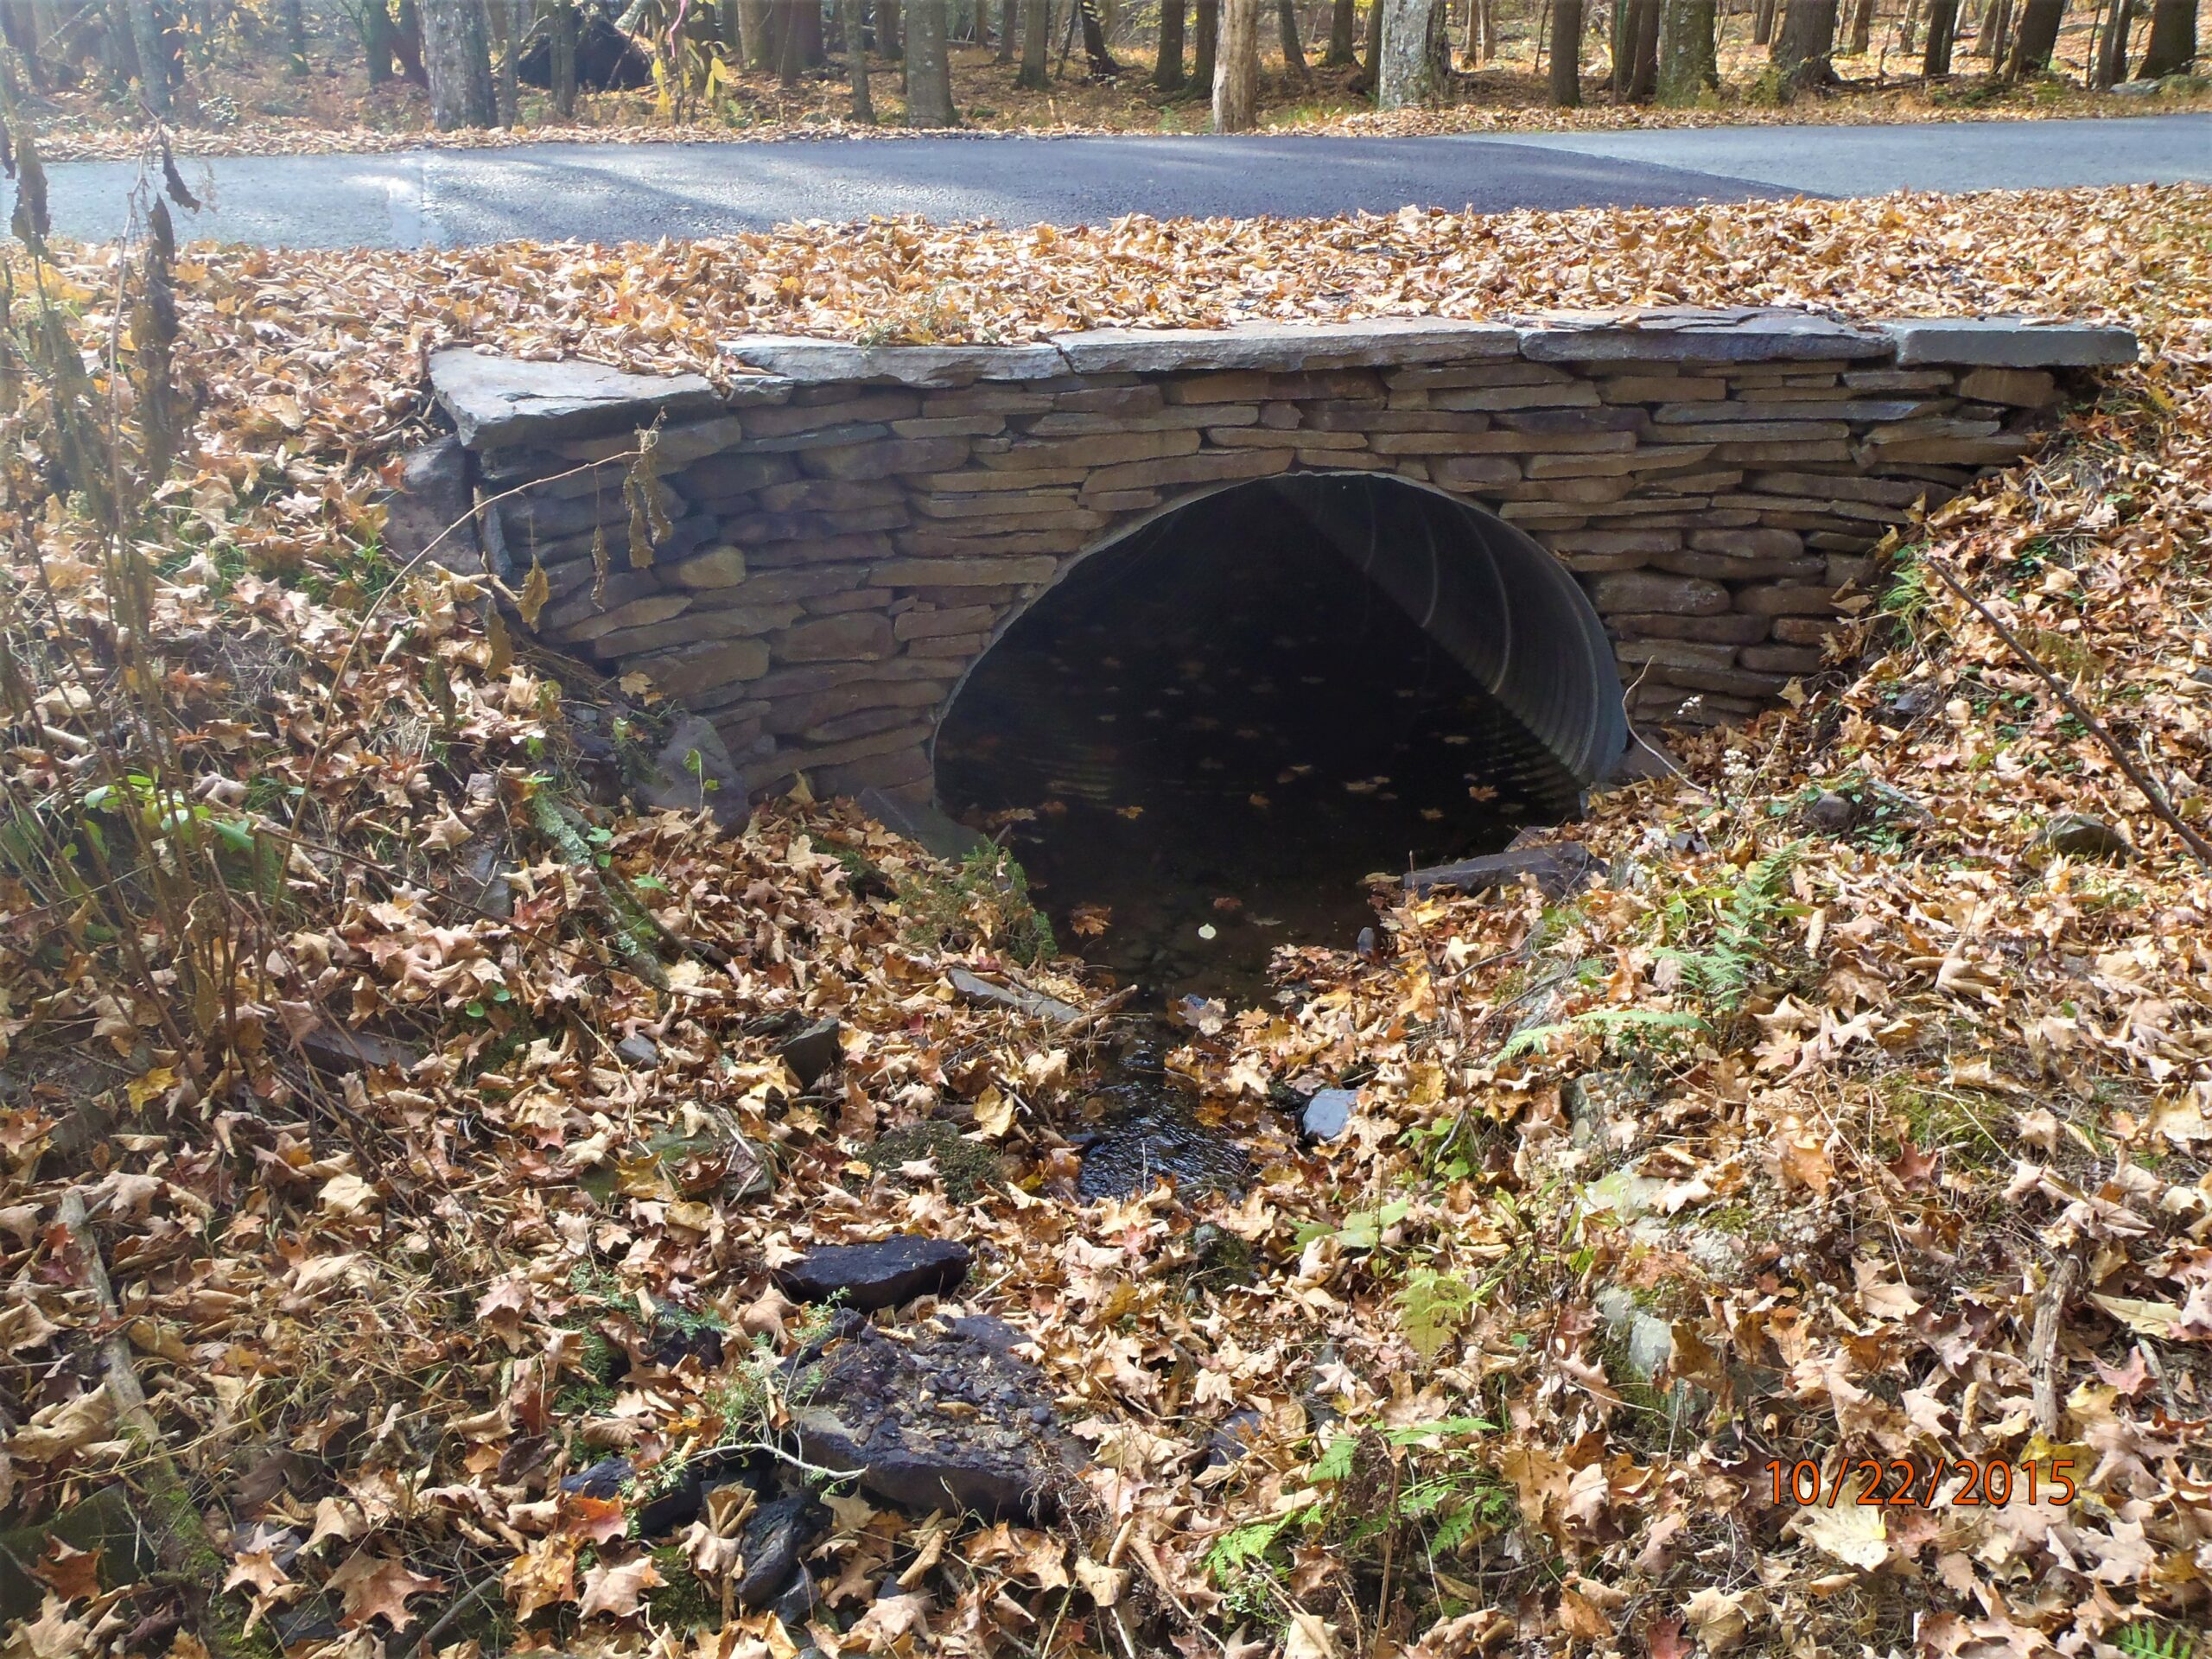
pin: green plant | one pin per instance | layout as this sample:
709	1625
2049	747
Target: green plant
1433	1307
984	901
1744	914
2151	1638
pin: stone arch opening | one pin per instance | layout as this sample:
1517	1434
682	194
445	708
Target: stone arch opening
1221	718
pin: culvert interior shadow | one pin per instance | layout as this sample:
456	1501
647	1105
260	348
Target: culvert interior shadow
1206	736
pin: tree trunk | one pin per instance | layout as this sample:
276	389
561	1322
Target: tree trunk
1168	71
929	78
1094	42
2172	46
1807	36
1036	44
1566	53
1909	28
1406	76
1343	31
152	49
1762	24
1942	30
1862	27
459	63
1294	52
507	25
856	62
563	27
1205	43
294	23
1688	56
887	41
377	37
1009	25
1643	50
1996	25
1237	66
2109	67
2036	38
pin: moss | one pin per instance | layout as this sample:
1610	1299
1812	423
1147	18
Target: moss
984	899
967	1168
684	1602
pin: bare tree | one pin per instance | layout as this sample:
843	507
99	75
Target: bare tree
856	62
1762	24
1688	54
1566	53
1294	50
563	29
1407	75
506	24
888	32
1344	29
1806	37
458	61
1205	41
1943	32
150	42
929	73
1862	27
1036	44
2172	45
293	20
1009	25
2109	67
1237	67
2036	39
1168	69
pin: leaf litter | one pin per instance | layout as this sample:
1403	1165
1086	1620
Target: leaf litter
1849	1137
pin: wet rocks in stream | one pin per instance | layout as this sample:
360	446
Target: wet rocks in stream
1146	1130
882	1274
939	1417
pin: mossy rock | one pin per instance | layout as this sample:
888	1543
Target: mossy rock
967	1168
105	1522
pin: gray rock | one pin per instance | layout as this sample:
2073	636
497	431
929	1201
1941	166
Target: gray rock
638	1050
2076	835
796	1604
1832	812
811	1051
2011	343
814	362
1697	335
775	1538
882	1273
1559	868
923	825
1328	1113
1284	347
1020	999
432	513
693	769
499	400
937	1422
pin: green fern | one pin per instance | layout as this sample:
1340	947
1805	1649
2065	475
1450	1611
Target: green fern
2150	1638
1722	971
1607	1022
1435	1305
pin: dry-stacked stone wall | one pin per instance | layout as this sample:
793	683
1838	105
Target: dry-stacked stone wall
845	529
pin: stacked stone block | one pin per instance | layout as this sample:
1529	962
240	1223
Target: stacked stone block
848	528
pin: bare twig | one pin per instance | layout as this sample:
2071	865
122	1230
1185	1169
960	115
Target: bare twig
2197	844
2043	1341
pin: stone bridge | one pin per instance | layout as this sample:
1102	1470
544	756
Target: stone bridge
1680	501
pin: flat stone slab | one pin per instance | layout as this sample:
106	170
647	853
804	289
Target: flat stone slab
882	1273
951	1420
1696	334
1559	868
1284	347
500	400
973	987
2011	343
813	362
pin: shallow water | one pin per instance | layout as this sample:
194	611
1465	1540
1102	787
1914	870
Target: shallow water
1210	733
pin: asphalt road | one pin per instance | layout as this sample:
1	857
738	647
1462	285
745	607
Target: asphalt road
610	193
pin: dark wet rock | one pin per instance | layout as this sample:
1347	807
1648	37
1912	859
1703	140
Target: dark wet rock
1328	1113
607	61
105	1522
1128	1158
1232	1438
335	1049
1559	868
670	1342
796	1604
775	1539
638	1050
811	1050
882	1273
1832	812
2076	835
934	1420
663	1499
